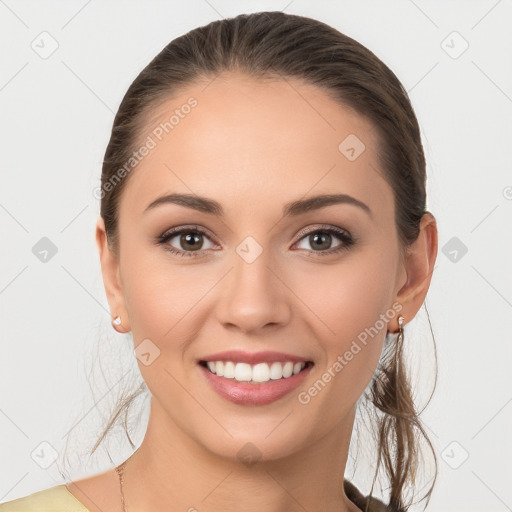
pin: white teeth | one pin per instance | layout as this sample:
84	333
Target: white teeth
276	371
242	371
288	369
229	370
260	372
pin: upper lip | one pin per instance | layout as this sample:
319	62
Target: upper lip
254	357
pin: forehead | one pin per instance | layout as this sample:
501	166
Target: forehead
239	139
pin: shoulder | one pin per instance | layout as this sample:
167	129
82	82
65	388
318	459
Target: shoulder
54	499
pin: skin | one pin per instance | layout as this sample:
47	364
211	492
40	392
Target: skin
253	146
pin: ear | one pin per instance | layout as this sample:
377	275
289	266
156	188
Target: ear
419	265
111	277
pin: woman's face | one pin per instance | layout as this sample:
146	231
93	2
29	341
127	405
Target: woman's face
257	279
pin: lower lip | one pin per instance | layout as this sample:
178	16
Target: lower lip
243	393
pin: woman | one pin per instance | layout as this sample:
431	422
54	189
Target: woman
264	237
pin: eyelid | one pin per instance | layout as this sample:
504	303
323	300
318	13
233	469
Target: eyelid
321	227
186	227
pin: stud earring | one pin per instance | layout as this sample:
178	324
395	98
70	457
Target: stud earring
400	326
116	323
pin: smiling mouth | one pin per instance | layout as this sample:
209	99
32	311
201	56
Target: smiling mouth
255	373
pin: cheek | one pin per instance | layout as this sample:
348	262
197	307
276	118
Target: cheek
161	293
163	299
353	304
349	297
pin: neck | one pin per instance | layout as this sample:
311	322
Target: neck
170	467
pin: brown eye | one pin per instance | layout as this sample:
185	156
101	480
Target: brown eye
185	241
321	241
190	241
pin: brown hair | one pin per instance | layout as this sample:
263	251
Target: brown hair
278	45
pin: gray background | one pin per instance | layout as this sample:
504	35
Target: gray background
56	114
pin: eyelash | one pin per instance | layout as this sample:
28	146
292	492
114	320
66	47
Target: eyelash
343	235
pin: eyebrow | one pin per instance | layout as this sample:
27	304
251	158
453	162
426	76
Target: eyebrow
294	208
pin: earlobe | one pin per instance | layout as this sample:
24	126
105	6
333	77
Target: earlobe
419	265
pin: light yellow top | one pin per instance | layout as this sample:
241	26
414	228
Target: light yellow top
54	499
59	499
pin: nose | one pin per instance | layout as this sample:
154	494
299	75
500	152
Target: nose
254	296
